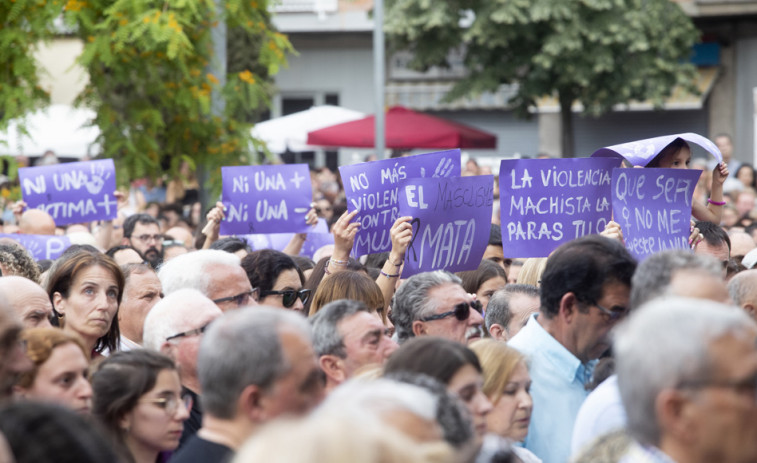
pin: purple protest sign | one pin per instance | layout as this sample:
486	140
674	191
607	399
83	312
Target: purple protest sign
74	192
451	222
653	208
641	152
317	237
266	199
41	246
547	202
371	188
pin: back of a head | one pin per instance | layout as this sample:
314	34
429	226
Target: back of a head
36	222
17	261
39	432
583	266
653	276
348	284
436	357
243	348
664	344
338	438
743	288
172	313
410	299
189	270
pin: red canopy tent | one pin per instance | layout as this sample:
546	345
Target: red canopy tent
404	129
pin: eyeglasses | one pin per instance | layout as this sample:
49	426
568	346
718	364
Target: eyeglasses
148	238
747	384
461	311
171	404
241	299
289	296
614	314
193	332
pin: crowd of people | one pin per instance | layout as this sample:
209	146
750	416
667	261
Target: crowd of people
155	339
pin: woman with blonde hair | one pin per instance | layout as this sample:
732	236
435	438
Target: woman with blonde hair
59	373
507	385
530	273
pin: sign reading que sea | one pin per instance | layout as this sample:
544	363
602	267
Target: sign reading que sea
653	208
372	188
451	222
74	192
266	199
547	202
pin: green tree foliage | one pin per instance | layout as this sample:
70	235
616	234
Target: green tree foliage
596	52
24	24
150	86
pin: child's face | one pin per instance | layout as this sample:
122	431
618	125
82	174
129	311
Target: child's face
679	160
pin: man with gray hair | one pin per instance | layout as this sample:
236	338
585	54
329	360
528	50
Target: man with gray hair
668	273
509	309
217	274
743	291
346	337
686	372
174	326
254	366
435	304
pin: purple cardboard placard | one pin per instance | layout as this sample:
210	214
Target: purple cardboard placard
653	208
73	192
547	202
640	152
318	237
266	199
451	222
41	246
371	188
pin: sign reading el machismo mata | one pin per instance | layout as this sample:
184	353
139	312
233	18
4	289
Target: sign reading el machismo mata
451	222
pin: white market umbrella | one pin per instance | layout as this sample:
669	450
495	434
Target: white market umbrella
60	128
292	131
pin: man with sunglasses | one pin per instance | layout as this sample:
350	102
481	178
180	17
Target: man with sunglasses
585	291
216	274
435	304
175	326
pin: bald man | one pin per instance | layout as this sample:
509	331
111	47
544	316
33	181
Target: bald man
743	291
36	222
28	300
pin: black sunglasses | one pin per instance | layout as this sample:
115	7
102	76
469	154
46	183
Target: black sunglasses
461	311
289	296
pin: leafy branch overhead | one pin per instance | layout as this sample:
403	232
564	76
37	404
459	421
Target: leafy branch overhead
150	86
598	52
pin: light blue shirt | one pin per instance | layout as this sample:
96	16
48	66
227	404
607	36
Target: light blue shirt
557	388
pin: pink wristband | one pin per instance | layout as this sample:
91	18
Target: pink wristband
716	203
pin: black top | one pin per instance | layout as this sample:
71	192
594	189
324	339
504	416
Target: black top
199	450
194	422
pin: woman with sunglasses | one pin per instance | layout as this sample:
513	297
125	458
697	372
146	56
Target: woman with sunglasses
137	397
278	278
